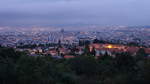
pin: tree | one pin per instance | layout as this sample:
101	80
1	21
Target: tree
124	62
93	52
84	65
141	54
37	70
84	42
86	50
96	41
106	66
8	58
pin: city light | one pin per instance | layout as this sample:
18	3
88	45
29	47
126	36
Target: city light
109	46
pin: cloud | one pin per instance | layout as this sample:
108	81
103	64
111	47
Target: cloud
103	12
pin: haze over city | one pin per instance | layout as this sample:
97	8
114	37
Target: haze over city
74	12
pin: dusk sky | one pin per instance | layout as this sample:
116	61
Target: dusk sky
56	12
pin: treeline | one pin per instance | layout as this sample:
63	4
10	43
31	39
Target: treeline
19	68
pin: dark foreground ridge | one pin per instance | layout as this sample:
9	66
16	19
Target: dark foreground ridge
19	68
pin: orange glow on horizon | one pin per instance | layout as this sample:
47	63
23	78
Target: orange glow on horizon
109	46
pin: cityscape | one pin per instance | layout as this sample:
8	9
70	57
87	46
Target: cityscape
74	42
46	41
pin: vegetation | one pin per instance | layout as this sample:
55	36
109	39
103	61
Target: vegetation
19	68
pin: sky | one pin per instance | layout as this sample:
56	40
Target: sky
72	12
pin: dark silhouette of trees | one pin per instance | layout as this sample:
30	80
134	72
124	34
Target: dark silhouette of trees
86	50
84	65
96	41
93	52
141	54
123	68
83	42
